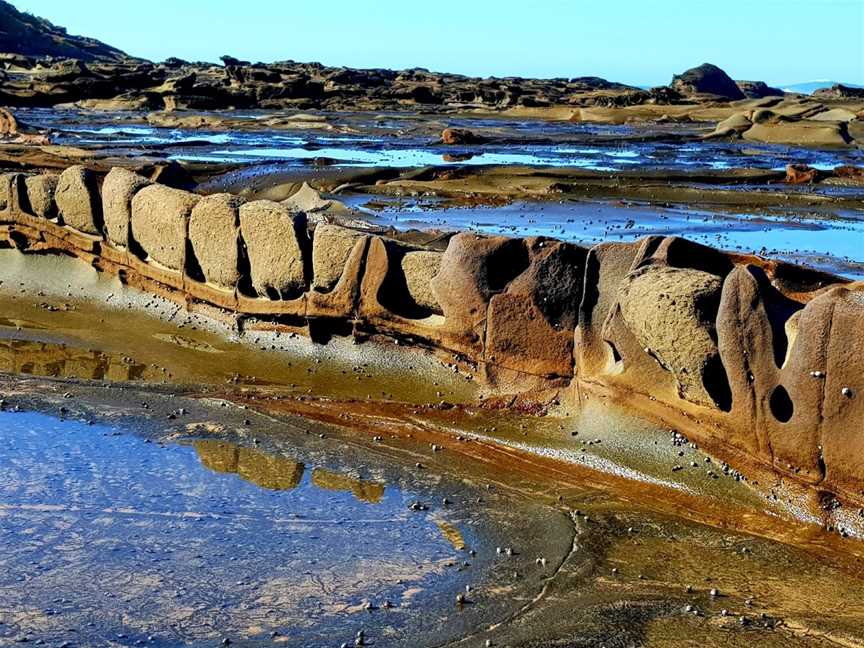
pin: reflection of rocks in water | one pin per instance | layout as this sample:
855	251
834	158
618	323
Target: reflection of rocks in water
366	491
451	534
267	471
186	343
60	361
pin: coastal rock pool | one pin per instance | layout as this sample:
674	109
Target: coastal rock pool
111	538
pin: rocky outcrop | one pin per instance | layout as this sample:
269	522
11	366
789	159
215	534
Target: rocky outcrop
758	89
171	86
78	201
102	77
160	222
706	79
839	91
460	136
214	233
331	248
420	268
275	239
118	189
671	311
804	124
40	195
31	36
758	361
8	124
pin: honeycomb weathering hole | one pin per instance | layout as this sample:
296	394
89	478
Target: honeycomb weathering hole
716	383
781	404
506	263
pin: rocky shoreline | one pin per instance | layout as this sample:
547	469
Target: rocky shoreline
705	340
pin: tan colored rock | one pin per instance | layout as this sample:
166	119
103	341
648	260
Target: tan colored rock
214	231
9	192
835	115
671	311
275	239
77	198
420	268
734	125
331	247
606	266
40	194
804	132
474	268
118	189
843	404
306	199
160	218
8	123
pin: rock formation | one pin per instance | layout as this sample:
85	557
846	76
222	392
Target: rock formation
758	89
758	361
31	36
706	79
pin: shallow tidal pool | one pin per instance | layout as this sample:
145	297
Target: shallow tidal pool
111	538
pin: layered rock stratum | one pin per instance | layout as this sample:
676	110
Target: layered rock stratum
756	360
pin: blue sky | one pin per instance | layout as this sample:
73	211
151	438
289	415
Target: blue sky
634	41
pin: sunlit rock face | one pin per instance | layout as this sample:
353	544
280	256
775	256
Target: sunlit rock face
765	352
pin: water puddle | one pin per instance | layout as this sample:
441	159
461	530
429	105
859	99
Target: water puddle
183	348
52	360
111	538
830	242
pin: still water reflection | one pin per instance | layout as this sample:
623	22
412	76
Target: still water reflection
108	537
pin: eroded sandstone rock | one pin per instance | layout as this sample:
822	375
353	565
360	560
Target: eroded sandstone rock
307	200
801	132
530	324
118	189
10	187
8	124
473	269
460	136
214	232
78	201
40	195
275	240
606	265
331	246
160	217
671	312
420	268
